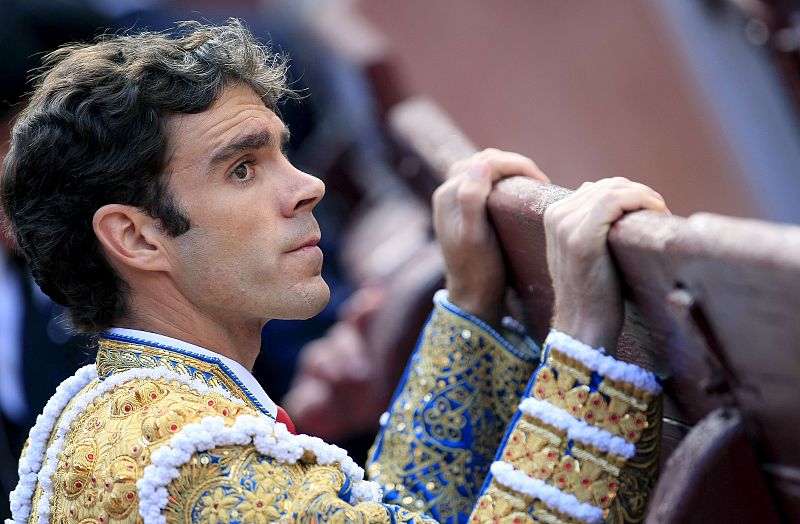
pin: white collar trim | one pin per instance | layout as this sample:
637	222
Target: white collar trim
239	371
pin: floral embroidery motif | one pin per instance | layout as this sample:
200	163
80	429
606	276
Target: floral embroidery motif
259	507
216	506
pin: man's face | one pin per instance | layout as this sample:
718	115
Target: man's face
250	254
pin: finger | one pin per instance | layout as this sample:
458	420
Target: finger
611	205
473	193
460	167
504	163
643	188
622	183
589	194
581	198
599	205
444	197
649	197
571	203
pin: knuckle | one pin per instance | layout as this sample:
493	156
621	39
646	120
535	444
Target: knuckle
613	181
458	167
608	198
468	198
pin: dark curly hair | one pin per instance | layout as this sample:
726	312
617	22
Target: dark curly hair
95	133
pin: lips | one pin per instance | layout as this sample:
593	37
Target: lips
311	242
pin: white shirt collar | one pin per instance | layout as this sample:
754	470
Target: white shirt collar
239	371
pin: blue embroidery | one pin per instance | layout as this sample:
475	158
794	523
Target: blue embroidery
532	356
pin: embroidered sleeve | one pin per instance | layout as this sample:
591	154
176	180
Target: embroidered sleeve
583	446
449	413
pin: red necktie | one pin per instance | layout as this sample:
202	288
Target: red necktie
283	418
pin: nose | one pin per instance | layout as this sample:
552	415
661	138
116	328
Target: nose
306	193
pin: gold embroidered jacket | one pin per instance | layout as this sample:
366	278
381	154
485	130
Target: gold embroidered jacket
154	434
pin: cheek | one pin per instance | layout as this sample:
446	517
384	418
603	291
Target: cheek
226	264
204	261
230	228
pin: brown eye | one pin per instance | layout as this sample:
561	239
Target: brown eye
242	172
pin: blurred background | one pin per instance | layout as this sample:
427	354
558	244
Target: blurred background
697	98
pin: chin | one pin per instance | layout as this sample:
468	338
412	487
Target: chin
313	299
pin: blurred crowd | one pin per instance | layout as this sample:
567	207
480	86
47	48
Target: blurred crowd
380	261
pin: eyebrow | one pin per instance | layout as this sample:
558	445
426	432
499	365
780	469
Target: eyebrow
248	142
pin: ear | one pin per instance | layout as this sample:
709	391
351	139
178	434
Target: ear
130	237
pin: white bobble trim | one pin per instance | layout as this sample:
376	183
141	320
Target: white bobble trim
577	430
366	491
31	463
566	503
606	366
269	437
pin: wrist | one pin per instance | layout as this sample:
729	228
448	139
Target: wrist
487	308
593	329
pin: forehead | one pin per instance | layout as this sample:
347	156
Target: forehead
239	110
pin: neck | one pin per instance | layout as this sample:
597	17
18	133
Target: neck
240	341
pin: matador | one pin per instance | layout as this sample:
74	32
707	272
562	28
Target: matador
146	184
